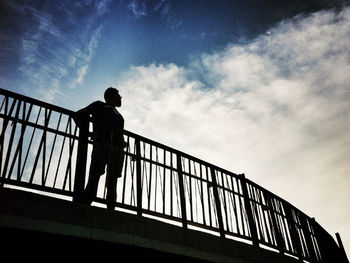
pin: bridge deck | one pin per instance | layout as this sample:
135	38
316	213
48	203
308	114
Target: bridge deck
33	221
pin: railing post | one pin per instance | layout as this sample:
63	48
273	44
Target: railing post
182	190
342	249
327	248
248	208
138	177
217	202
292	225
276	228
80	168
307	235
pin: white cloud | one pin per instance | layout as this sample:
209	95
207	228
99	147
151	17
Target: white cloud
276	108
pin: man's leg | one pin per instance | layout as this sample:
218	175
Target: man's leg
114	171
97	168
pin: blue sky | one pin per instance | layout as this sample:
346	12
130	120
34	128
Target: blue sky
260	87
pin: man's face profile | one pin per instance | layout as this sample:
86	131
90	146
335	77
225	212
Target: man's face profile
117	99
113	98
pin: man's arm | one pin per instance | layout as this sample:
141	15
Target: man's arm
82	113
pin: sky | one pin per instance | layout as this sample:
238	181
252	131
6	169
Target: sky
255	87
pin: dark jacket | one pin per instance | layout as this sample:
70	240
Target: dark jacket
108	123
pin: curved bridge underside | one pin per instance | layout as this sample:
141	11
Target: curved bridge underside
38	226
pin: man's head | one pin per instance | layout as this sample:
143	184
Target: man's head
112	97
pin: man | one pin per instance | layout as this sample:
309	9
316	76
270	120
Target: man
108	144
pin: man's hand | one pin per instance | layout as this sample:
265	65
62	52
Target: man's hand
125	144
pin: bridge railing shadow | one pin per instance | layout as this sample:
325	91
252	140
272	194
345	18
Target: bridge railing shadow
42	149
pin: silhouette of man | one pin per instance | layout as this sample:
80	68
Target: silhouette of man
108	144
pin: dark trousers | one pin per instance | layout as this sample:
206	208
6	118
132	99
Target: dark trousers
100	158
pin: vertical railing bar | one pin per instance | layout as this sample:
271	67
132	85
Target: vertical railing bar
226	207
265	222
217	203
129	160
143	172
341	247
209	185
44	150
69	163
228	197
294	233
71	147
235	205
81	159
281	224
138	177
12	136
244	217
150	177
195	193
239	210
3	103
104	195
178	194
2	135
30	143
47	120
199	192
182	191
134	176
274	224
147	177
7	120
19	148
20	143
262	216
4	127
53	146
60	156
190	189
127	155
307	236
156	181
257	214
171	183
261	213
164	180
132	160
247	205
253	209
241	219
284	226
231	198
202	194
39	149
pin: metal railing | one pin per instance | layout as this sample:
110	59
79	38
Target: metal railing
42	149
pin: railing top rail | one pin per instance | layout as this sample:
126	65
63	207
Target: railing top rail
35	101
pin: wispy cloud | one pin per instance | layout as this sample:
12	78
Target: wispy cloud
162	8
141	8
276	108
56	54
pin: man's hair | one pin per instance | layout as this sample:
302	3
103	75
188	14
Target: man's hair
109	92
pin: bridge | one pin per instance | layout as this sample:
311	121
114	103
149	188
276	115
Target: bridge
169	204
